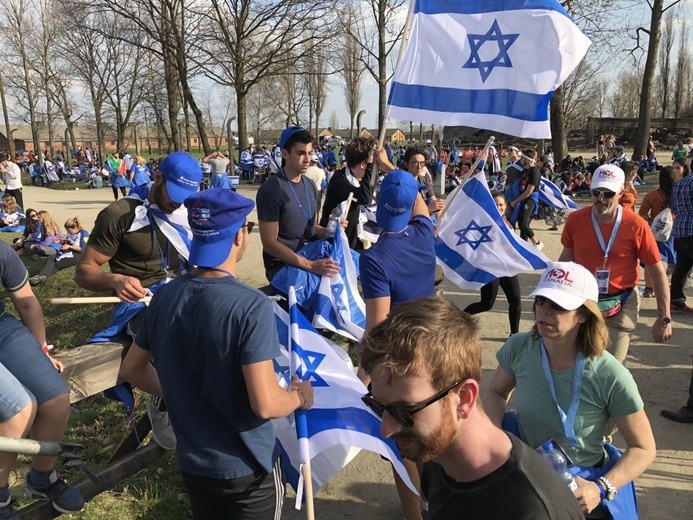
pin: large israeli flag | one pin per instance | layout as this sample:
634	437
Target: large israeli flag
491	64
339	306
339	425
550	195
474	245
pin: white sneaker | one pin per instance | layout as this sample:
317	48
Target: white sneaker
539	246
162	431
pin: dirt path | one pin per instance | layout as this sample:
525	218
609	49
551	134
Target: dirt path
365	490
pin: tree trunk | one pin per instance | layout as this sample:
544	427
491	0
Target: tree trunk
559	140
643	131
8	130
241	101
382	67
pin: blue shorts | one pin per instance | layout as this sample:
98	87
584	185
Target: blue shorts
26	373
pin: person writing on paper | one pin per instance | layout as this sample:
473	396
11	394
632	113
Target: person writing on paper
569	389
219	405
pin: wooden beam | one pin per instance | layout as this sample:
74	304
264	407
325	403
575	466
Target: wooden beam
108	477
91	369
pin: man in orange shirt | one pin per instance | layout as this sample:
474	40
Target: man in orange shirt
611	242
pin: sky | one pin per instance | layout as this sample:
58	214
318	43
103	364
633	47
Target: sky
629	16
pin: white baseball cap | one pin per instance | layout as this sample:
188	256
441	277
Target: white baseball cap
568	284
314	158
608	176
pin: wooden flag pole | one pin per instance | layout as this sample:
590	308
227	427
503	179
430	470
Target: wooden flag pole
453	195
92	299
308	491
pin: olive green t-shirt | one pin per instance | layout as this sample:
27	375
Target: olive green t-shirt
608	390
136	253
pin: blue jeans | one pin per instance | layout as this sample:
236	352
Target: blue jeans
26	373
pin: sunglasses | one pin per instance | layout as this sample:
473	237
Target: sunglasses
605	194
250	226
404	414
539	301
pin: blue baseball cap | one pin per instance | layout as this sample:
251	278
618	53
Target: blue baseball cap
215	216
288	134
398	192
182	174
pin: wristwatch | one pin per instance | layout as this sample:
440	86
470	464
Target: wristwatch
610	489
665	321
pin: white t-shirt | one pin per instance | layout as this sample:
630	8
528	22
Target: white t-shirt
13	177
129	161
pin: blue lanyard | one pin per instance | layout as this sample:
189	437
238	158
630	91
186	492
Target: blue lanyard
614	232
568	419
309	215
164	261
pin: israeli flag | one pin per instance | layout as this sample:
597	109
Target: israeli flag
339	425
551	195
368	228
474	245
339	306
491	64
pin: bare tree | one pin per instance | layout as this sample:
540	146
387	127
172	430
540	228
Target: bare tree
657	10
260	112
623	101
17	15
377	31
665	48
333	121
352	72
683	67
241	42
316	80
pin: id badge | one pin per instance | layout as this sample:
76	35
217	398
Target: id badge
602	276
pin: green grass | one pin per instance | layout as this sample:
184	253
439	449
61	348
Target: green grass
98	423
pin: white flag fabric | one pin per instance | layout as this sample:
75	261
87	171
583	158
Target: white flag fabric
491	64
339	306
339	423
474	245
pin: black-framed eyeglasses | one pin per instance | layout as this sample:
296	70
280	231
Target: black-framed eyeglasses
539	301
605	194
250	226
404	414
33	215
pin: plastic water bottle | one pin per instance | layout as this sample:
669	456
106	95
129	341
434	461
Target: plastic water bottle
558	462
334	221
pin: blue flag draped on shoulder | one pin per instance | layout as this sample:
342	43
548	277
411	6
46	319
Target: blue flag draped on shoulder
491	64
338	424
550	195
474	245
339	306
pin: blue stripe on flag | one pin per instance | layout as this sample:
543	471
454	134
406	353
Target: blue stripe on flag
502	102
485	6
461	265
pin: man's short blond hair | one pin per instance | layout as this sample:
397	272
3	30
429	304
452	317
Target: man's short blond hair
426	332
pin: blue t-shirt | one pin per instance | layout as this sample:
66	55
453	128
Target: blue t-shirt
401	265
13	274
200	332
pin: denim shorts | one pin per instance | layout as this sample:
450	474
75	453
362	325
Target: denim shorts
26	373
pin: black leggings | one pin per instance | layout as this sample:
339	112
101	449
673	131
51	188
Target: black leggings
525	217
511	288
123	190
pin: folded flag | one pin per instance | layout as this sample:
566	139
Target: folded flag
551	195
368	228
476	63
474	245
339	306
338	424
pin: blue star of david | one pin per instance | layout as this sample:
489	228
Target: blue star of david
337	290
310	361
504	42
473	229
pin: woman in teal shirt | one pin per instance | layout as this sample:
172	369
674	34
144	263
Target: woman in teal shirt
569	389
